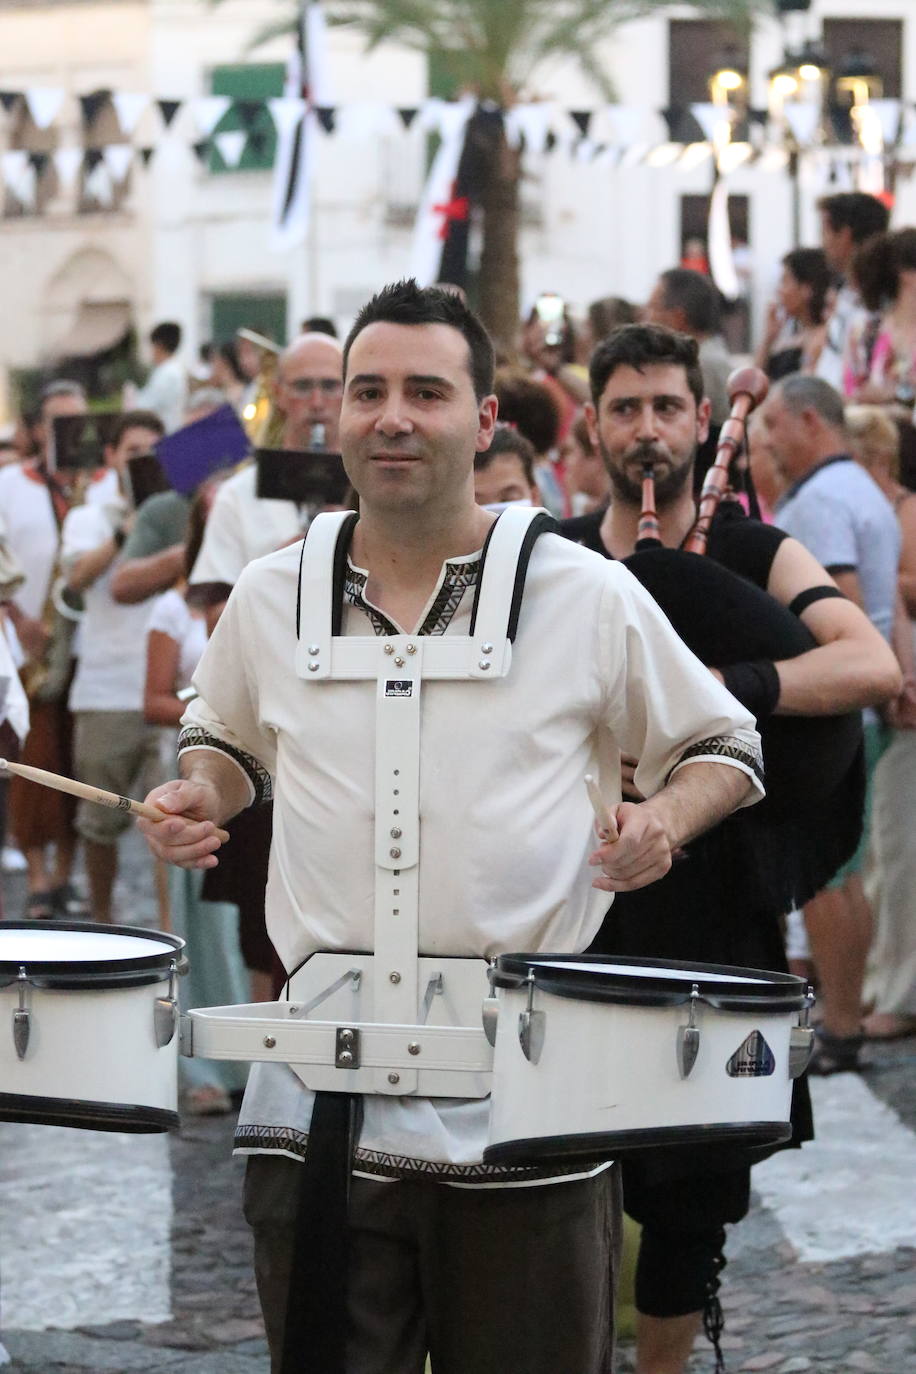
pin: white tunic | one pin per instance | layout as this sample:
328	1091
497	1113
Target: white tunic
506	825
242	527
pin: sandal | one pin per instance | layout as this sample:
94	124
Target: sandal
70	905
835	1053
39	906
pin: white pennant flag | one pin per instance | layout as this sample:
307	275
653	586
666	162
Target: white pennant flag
67	164
129	107
208	110
19	176
712	119
803	118
231	145
531	122
98	184
286	111
44	104
118	158
626	122
888	113
721	254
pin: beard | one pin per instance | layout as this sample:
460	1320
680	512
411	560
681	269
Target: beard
669	484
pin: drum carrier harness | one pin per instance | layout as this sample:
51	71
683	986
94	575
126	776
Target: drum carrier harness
376	1037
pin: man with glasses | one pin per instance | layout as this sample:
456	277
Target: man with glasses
242	526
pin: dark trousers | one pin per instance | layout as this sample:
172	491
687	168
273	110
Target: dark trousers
482	1279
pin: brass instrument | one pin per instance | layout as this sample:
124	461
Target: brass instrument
263	422
45	679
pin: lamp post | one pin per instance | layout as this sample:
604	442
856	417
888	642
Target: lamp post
796	105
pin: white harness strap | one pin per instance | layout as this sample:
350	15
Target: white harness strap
400	664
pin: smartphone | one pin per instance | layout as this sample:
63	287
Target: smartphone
78	441
309	478
145	477
551	311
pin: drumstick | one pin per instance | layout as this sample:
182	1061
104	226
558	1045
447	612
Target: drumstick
607	825
93	794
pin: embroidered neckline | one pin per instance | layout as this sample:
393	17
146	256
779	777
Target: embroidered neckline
459	574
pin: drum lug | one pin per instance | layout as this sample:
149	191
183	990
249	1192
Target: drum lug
532	1026
801	1040
490	1009
22	1016
688	1037
165	1012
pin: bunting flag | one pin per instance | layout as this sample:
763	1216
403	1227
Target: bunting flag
407	116
91	106
44	104
130	107
9	98
307	78
231	145
168	109
118	158
208	110
68	163
803	118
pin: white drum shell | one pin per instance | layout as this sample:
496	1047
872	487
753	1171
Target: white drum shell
89	1025
90	1045
613	1069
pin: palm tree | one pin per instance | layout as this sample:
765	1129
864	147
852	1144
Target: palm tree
492	48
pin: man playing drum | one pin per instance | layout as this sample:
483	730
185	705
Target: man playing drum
442	1254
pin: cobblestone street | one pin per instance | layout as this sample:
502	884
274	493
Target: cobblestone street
129	1253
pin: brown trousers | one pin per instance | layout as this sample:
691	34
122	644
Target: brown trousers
482	1279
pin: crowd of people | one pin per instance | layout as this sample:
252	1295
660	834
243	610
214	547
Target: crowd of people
109	606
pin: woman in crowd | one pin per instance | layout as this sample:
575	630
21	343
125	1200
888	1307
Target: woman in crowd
796	320
530	407
176	638
891	980
881	354
586	476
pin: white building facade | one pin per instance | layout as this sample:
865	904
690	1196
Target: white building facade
181	234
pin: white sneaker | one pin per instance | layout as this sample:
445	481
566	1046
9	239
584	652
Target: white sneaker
12	860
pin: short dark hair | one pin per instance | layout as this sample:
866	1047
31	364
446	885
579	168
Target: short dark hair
134	419
529	406
641	346
167	335
801	392
696	295
863	214
507	439
404	302
319	324
809	267
608	313
878	263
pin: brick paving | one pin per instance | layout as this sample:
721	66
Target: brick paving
851	1316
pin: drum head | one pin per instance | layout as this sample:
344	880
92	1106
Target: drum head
78	954
656	982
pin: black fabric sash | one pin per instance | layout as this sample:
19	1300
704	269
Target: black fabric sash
314	1338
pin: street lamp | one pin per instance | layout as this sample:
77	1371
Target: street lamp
796	101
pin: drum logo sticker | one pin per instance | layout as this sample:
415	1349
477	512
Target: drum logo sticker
752	1059
398	687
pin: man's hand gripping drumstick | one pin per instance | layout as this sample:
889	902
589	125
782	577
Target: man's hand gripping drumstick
98	795
213	789
642	840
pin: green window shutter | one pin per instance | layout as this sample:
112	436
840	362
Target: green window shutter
255	81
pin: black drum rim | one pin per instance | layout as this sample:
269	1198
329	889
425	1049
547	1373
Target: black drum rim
70	974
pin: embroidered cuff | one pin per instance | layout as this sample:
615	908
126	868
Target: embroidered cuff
725	749
195	737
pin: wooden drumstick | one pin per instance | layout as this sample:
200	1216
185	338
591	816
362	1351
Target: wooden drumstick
607	825
93	794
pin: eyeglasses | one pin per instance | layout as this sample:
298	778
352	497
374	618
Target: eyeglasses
303	386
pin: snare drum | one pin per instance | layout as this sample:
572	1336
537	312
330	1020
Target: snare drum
88	1026
595	1056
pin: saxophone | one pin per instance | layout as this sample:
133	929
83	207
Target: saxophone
45	679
